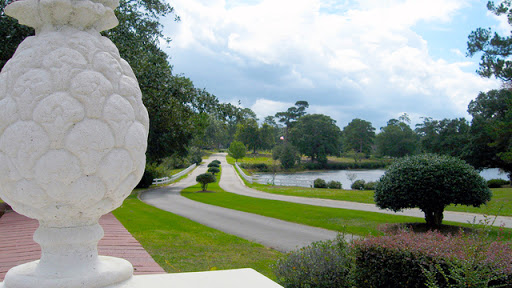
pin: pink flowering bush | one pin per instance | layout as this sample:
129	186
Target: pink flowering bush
401	259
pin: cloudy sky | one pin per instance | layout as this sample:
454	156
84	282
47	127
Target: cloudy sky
368	59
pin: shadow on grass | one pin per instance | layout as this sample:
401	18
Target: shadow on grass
422	228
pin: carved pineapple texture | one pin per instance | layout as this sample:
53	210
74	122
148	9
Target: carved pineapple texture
73	128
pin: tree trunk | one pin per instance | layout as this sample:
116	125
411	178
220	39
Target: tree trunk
434	218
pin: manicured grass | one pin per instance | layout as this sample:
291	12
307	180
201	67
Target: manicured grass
343	220
349	221
181	245
500	204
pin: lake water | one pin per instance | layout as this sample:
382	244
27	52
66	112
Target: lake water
306	179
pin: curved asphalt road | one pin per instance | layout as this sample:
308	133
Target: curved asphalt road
232	183
277	234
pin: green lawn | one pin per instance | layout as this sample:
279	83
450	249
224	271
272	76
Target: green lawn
500	204
349	221
181	245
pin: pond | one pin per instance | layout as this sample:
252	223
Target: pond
305	179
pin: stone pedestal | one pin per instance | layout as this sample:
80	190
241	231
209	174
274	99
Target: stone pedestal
240	278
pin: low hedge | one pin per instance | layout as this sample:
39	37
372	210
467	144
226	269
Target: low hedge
399	260
497	183
258	167
344	165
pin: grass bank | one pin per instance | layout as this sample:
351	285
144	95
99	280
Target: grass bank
181	245
500	204
344	220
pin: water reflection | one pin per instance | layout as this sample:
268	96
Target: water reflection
306	178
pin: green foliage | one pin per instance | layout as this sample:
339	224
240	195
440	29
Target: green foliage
287	155
448	136
495	60
316	136
358	185
147	178
216	161
334	185
397	139
205	179
237	150
291	115
214	164
430	182
372	185
491	131
195	155
213	170
319	183
497	183
326	264
247	132
11	34
400	260
358	135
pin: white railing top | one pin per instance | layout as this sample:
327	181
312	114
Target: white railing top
165	180
249	179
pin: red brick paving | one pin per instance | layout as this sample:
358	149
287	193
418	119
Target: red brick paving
18	247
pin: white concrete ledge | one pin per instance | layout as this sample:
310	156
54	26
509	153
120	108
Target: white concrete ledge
239	278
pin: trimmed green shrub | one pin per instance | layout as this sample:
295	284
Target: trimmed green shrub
358	185
400	260
430	182
213	164
213	170
151	172
496	183
319	183
326	264
205	179
334	185
370	185
216	161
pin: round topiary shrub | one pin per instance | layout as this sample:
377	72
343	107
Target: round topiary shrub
334	185
205	179
370	185
430	182
358	185
319	183
213	170
214	164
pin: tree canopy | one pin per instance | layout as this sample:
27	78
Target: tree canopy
495	48
316	136
358	135
491	131
396	139
237	150
447	136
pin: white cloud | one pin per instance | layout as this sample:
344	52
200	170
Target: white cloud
330	53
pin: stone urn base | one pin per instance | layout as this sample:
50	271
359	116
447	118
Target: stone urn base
106	271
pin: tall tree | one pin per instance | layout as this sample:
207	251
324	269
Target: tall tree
396	139
316	136
447	136
495	60
249	134
358	135
491	131
291	115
